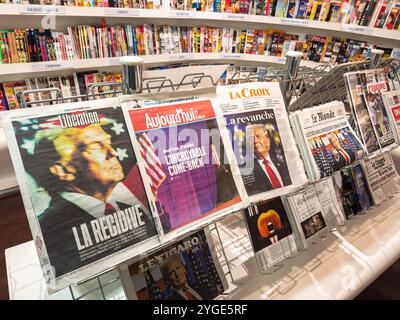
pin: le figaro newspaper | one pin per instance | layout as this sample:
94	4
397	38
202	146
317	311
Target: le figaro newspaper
187	172
81	187
258	133
186	269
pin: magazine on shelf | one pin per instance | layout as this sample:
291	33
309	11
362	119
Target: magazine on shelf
12	92
325	139
270	232
333	212
81	187
347	193
382	177
361	187
365	90
3	99
186	269
187	172
258	133
306	213
391	100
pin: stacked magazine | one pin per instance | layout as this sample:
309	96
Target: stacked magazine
352	190
314	211
333	212
391	99
307	214
186	269
382	177
82	190
326	140
270	232
188	173
365	89
258	134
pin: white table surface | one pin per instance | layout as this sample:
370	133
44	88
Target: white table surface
339	267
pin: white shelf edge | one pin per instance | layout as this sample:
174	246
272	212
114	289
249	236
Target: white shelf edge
35	68
65	11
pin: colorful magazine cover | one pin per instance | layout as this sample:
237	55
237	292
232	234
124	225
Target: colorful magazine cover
391	100
361	186
183	161
186	269
270	232
344	181
365	92
3	100
81	187
259	135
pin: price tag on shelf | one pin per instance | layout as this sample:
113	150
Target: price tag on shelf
357	29
122	12
42	10
181	14
297	22
113	62
235	16
395	53
231	56
178	57
48	66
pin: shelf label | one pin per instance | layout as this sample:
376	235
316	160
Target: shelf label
357	29
122	12
298	22
178	57
113	62
48	66
183	14
235	16
395	53
42	10
231	56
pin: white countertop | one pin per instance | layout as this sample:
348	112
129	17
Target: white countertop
339	267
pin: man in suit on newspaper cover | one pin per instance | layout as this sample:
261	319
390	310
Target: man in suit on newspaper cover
342	154
81	171
175	274
268	171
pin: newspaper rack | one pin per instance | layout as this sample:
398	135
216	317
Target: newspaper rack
301	87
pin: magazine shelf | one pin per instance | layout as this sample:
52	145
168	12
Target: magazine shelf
30	16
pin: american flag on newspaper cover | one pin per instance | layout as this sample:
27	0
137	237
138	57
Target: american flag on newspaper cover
153	165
